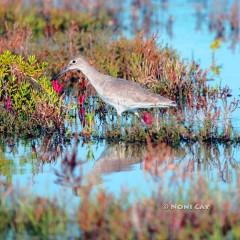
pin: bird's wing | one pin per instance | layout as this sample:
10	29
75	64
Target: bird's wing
133	92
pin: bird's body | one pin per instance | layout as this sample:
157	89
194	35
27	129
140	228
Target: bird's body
126	95
121	94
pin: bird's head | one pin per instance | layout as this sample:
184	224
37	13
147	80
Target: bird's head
78	63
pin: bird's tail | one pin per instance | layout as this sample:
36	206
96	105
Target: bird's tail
172	104
167	104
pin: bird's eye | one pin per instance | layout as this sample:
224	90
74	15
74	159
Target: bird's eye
74	61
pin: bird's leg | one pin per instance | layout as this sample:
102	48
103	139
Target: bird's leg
156	117
139	118
119	121
123	125
120	111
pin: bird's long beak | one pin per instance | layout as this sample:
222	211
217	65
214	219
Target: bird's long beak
61	73
68	68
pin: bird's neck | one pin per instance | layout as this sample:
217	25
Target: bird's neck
93	76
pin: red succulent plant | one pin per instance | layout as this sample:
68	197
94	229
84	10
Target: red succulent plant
58	87
147	118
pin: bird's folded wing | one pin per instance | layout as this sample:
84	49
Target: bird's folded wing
133	92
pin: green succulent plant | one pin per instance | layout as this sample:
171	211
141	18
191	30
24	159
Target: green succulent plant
24	81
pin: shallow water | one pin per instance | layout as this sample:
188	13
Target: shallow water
121	166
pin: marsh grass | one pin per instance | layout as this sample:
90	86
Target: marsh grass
28	216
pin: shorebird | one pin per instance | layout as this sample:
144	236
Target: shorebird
121	94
